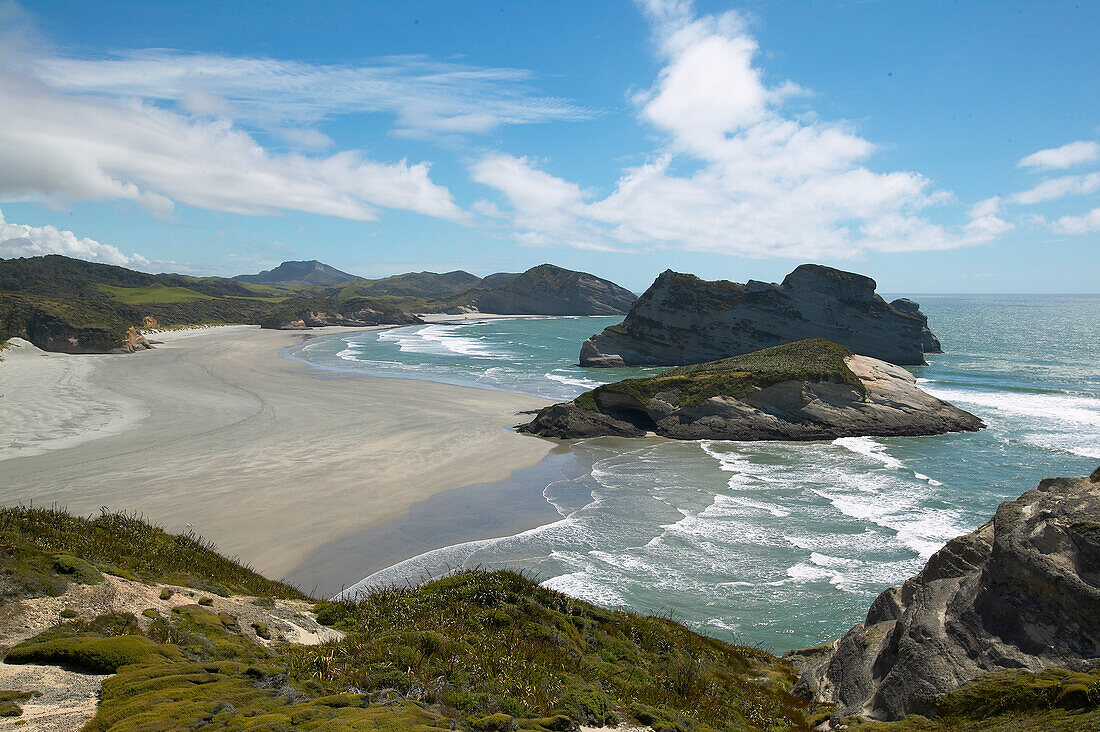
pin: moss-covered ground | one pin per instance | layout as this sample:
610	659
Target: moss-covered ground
812	359
1010	701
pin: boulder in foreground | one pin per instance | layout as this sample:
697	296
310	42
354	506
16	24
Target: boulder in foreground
682	319
1021	593
807	390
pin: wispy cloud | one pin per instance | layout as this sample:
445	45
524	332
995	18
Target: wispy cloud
425	96
762	181
1066	156
1084	224
20	240
161	127
1067	185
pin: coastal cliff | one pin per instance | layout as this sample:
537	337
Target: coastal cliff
682	319
1021	593
807	390
550	290
318	313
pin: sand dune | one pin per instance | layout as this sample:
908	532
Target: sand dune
268	457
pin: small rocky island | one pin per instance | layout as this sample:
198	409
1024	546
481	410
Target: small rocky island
811	389
682	319
1021	593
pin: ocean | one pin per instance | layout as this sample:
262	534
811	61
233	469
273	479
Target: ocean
780	545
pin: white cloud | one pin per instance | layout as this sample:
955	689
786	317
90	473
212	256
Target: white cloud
162	126
737	174
1068	185
20	240
1085	224
59	147
426	97
1066	156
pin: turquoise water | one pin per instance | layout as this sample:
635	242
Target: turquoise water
778	544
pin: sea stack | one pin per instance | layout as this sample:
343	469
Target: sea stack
807	390
682	319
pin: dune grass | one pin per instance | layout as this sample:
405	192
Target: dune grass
35	541
497	643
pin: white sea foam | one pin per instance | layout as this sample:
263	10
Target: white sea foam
571	381
1066	408
584	586
439	339
869	448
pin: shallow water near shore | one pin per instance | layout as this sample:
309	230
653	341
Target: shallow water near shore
778	544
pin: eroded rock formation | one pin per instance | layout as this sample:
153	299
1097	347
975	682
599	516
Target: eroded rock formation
682	319
1020	592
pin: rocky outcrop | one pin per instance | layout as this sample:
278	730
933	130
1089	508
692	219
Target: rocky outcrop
550	290
134	341
682	319
928	340
807	390
1020	592
352	313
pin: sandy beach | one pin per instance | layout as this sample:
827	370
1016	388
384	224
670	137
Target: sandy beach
214	431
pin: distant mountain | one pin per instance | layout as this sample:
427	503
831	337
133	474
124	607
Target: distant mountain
500	279
430	285
550	290
299	273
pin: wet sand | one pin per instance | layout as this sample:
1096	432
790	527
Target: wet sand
214	431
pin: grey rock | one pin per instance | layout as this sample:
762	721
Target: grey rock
1020	592
892	405
682	319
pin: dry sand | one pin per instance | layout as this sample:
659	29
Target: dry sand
268	457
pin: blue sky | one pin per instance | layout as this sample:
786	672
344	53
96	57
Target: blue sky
936	146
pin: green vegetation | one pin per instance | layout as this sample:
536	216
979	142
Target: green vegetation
151	293
1011	700
95	655
498	643
77	569
812	359
476	651
32	540
9	701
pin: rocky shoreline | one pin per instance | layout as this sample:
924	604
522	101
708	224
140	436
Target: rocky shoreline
1020	592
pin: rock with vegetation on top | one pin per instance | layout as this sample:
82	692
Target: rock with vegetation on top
550	290
807	390
1021	592
682	319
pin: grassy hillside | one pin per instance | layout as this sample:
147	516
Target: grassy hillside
813	359
63	304
151	293
477	651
